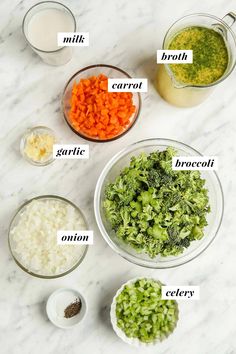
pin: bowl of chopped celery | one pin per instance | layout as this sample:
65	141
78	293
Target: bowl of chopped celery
138	314
152	215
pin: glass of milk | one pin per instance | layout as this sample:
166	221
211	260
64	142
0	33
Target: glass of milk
40	26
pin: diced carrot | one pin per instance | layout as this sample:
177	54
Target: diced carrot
97	112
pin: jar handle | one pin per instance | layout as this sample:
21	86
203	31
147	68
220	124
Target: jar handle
230	19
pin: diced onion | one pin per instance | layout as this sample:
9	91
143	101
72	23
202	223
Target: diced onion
34	237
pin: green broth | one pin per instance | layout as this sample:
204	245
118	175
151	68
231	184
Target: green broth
210	55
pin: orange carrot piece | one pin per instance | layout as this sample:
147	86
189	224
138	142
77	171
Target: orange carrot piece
97	112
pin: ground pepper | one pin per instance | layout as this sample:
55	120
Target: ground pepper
73	309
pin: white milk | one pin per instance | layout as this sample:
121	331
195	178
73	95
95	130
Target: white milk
44	26
42	29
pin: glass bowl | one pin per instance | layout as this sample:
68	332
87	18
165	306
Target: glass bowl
39	130
20	262
94	70
113	169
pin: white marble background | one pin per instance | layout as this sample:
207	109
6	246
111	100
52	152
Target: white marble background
127	34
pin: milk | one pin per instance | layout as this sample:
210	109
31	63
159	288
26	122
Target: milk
41	29
44	26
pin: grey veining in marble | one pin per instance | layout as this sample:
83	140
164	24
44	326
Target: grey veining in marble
126	34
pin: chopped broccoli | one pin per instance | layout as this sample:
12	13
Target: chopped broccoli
157	210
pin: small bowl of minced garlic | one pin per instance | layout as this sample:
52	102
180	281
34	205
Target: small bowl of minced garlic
36	145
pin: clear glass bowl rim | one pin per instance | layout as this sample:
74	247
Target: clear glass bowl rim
46	196
97	194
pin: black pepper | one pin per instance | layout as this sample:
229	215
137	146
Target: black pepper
73	309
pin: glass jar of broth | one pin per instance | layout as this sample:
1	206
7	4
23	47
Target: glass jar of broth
214	56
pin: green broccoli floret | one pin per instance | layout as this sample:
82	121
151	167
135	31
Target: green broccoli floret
154	209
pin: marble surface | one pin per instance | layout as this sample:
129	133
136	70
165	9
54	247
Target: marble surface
126	34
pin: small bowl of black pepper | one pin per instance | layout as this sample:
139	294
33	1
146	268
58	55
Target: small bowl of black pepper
66	307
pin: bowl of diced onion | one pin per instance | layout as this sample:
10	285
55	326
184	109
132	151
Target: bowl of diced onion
33	240
139	315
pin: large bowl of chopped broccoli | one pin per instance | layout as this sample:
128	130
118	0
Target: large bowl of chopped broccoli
152	215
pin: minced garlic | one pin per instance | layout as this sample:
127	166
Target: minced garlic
39	147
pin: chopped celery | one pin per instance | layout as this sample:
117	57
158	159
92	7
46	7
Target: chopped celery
145	317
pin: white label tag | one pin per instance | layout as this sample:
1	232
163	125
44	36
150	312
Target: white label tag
74	237
73	39
191	163
70	151
180	292
127	85
174	56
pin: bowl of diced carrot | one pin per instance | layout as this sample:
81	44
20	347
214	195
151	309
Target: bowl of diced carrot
94	113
